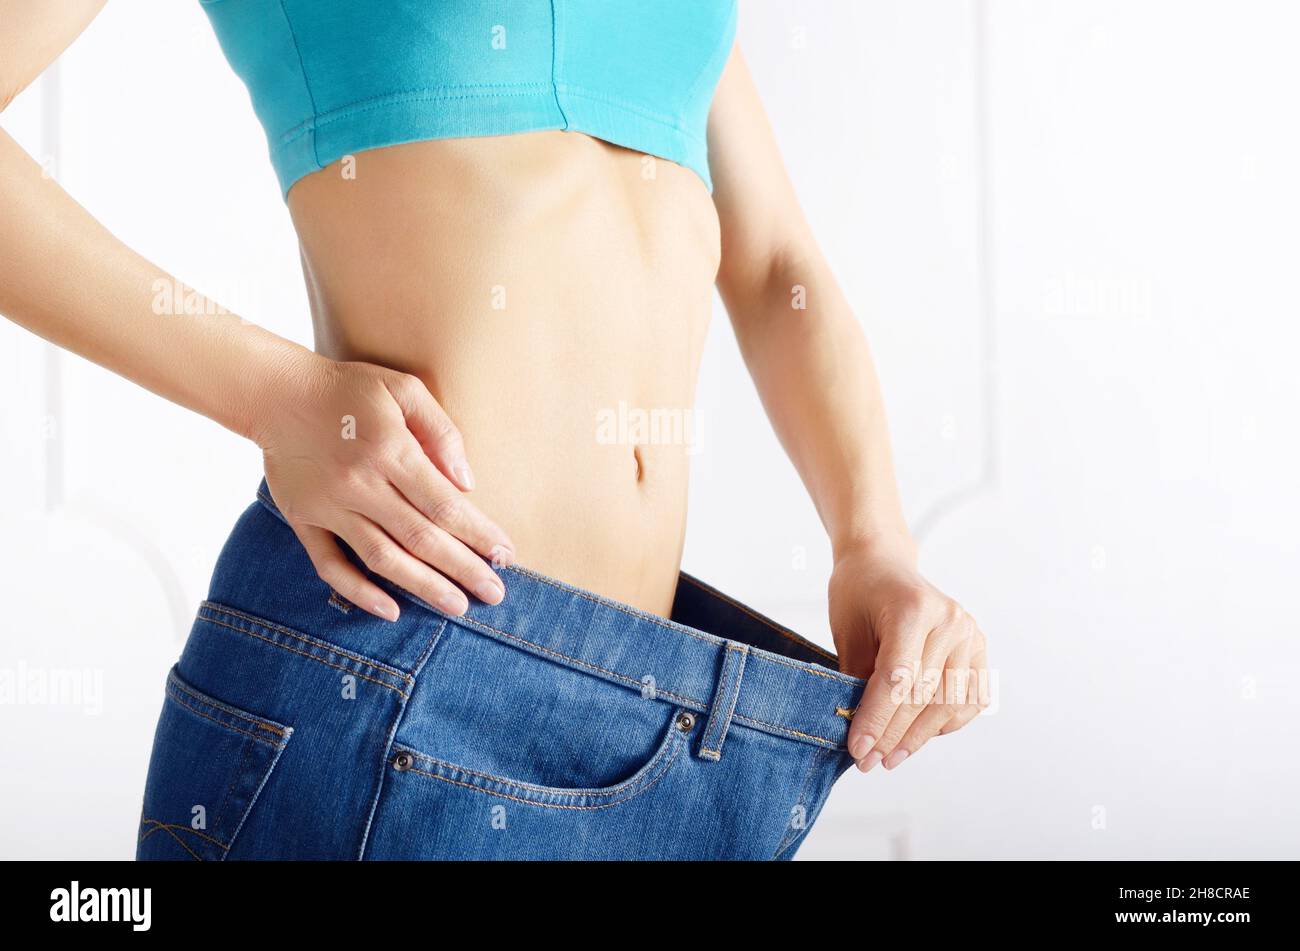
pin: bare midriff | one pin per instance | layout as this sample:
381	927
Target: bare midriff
553	292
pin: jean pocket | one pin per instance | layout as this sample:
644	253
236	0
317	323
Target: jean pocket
671	746
494	718
210	762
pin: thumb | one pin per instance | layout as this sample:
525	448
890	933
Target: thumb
855	641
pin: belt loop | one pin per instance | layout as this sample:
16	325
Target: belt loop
724	700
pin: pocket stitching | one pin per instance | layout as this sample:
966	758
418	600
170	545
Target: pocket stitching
169	828
314	643
531	794
271	627
192	699
174	682
229	726
792	834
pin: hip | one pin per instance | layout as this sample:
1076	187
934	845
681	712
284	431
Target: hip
557	724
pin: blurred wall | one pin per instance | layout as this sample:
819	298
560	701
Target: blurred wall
1070	231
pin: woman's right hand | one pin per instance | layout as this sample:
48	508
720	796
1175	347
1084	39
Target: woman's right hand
366	454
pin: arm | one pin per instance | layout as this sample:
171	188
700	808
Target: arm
64	277
813	369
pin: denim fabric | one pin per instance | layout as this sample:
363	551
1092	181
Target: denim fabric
555	725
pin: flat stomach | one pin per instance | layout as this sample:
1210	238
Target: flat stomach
553	292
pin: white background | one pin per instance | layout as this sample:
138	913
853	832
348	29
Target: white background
1070	230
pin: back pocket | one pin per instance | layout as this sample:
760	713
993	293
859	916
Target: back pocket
209	764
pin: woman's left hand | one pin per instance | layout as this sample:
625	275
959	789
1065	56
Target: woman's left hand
922	654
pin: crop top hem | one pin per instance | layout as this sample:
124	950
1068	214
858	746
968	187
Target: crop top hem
469	111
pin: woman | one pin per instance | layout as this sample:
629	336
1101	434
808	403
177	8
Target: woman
510	224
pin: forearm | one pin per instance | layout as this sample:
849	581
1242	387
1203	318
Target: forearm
64	277
814	372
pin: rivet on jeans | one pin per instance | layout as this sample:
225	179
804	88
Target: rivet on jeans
403	761
685	722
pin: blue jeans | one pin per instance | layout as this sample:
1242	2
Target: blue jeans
555	725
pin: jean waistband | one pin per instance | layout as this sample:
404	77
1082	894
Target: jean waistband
715	655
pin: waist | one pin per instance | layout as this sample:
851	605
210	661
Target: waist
555	302
771	679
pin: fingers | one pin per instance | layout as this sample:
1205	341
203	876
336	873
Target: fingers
913	688
343	576
927	724
963	716
442	504
960	696
977	689
434	546
948	700
385	557
886	688
395	496
433	428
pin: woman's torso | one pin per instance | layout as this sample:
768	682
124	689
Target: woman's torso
553	291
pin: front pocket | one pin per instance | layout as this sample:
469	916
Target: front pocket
487	714
672	745
209	764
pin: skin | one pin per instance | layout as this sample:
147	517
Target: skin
425	257
490	298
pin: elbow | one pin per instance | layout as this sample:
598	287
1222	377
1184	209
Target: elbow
764	271
8	92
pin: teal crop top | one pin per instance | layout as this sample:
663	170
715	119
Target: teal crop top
329	78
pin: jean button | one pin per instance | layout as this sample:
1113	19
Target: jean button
685	722
403	761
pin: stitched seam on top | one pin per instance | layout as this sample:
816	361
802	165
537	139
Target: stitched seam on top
632	612
173	683
235	777
171	832
373	103
627	786
781	729
309	656
729	697
553	805
172	825
271	627
268	503
681	628
756	653
556	48
222	723
658	691
642	112
381	772
625	609
302	71
653	619
791	832
477	91
721	50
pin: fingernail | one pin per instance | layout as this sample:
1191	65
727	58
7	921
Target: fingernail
492	592
502	557
388	612
859	747
453	604
463	474
868	764
895	758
